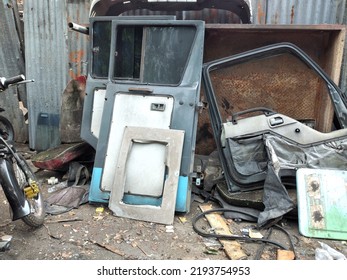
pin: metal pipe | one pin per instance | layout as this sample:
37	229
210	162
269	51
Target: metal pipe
79	28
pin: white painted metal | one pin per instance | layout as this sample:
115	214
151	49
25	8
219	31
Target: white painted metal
164	213
145	169
132	110
98	107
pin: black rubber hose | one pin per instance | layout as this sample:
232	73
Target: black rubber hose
230	237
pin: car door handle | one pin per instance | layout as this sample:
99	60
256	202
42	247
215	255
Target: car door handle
276	121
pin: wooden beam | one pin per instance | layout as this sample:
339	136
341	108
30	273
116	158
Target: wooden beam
232	248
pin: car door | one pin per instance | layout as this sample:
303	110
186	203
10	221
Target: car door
153	81
286	112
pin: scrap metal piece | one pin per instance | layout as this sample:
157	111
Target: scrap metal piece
132	110
240	142
164	212
322	199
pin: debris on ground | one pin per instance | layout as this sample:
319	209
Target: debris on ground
5	242
328	253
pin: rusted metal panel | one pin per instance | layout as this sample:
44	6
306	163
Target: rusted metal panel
324	43
12	64
297	11
54	55
77	11
70	47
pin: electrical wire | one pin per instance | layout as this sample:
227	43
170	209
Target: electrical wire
290	239
261	249
235	237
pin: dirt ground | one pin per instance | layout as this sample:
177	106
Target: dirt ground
92	232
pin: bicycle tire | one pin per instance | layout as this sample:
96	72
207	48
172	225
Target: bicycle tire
36	217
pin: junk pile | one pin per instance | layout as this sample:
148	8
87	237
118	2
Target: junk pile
141	123
272	164
141	119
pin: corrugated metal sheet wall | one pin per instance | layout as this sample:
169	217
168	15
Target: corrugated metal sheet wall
53	56
78	12
297	11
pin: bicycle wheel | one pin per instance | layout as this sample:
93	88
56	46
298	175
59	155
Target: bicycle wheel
32	190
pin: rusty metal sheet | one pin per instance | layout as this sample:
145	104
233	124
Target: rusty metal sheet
297	11
247	83
272	83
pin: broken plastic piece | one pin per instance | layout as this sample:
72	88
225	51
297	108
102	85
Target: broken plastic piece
5	242
328	253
